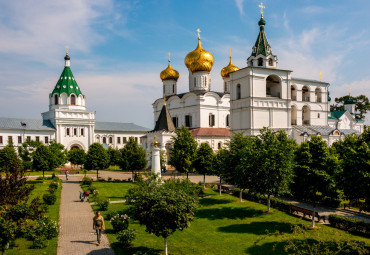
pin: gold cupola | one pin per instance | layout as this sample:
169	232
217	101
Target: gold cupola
225	72
169	73
199	60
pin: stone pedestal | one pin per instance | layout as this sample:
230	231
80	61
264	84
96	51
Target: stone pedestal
156	161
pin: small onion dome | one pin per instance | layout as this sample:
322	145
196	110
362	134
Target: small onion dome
199	59
225	72
350	100
169	73
67	57
262	22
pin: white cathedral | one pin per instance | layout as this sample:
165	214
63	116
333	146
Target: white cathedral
256	96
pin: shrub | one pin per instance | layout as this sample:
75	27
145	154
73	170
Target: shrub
119	222
53	176
185	185
86	181
49	199
102	203
349	224
126	237
37	209
53	187
110	215
39	243
91	189
42	228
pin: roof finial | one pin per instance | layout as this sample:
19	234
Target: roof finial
262	7
230	54
169	56
67	50
198	30
349	91
156	143
320	76
164	100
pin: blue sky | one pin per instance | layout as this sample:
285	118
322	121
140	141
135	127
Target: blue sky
118	48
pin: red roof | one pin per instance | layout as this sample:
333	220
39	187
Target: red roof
223	132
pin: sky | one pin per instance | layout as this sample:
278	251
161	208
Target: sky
118	48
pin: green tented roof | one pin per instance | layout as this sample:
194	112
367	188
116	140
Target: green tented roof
67	84
337	114
350	100
262	45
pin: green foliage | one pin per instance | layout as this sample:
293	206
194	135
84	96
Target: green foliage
53	187
119	222
86	181
114	156
7	232
133	156
349	224
102	203
362	105
49	198
42	158
184	185
220	162
43	228
26	152
203	160
59	154
13	188
77	156
97	157
126	237
39	243
182	152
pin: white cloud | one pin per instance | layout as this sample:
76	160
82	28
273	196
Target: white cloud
239	5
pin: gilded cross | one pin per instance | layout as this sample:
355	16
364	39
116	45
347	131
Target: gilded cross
262	7
198	30
169	56
230	53
320	75
67	50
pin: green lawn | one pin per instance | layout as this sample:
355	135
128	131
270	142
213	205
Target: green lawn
222	226
112	190
56	172
22	246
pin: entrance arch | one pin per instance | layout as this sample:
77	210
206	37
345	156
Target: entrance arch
273	86
76	145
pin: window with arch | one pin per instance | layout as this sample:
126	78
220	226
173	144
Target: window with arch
110	139
173	88
82	132
318	95
260	62
293	92
73	100
67	131
228	120
318	115
219	145
195	82
211	120
104	140
270	62
188	121
273	86
225	86
56	101
306	115
305	94
238	91
75	131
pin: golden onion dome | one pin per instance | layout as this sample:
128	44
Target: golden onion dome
225	72
199	59
169	73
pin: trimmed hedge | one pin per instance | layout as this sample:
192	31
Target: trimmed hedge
348	224
262	199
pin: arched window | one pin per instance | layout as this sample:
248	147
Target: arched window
73	100
110	139
211	120
56	101
219	145
67	131
260	62
270	62
238	91
305	94
318	115
104	140
318	95
75	132
306	115
173	88
228	120
225	86
293	92
195	82
273	86
82	132
294	115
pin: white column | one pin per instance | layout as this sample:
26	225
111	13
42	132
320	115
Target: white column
156	161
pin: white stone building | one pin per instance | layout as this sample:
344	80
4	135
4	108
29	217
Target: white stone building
68	121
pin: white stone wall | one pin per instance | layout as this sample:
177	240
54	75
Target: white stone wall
117	139
24	134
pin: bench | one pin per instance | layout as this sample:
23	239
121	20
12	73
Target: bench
224	188
349	206
305	212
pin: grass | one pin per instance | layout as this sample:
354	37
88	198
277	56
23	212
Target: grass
56	172
21	245
221	226
113	190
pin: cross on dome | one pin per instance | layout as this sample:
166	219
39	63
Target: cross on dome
67	50
230	53
198	30
169	56
262	7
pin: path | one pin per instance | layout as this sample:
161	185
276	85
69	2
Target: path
76	234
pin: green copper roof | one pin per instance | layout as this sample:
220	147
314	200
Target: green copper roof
350	100
262	45
67	84
337	114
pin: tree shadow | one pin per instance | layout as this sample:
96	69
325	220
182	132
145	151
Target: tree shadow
134	250
207	201
100	251
228	213
267	248
258	228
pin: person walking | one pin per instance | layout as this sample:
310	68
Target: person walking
98	225
67	174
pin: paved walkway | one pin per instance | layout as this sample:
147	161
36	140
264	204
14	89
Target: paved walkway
76	234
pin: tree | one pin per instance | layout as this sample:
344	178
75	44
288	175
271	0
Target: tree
354	155
362	105
26	151
13	188
77	156
163	209
203	161
316	166
114	156
43	160
96	158
59	154
7	233
183	151
239	168
220	164
274	152
133	157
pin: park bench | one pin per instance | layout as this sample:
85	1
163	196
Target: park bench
349	206
305	212
224	188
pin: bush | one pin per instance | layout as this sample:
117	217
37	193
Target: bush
42	228
39	243
349	224
53	187
126	237
102	203
119	222
91	189
53	176
86	181
110	215
49	199
37	209
185	185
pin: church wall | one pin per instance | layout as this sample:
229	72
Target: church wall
111	138
24	134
